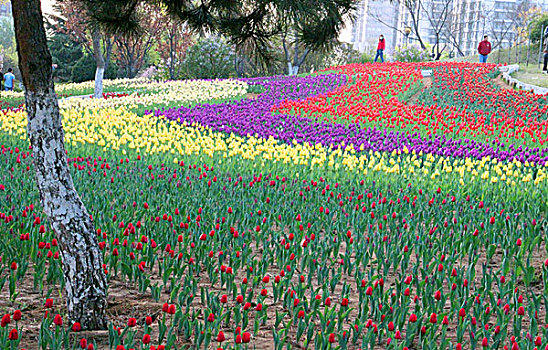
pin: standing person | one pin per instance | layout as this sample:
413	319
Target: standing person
545	66
380	49
9	79
484	49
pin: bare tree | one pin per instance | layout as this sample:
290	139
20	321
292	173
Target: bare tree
94	42
438	13
413	8
133	47
453	31
501	27
307	26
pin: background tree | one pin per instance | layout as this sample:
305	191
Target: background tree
210	58
437	14
76	24
172	43
501	27
248	65
413	9
8	52
413	13
305	25
454	28
133	48
526	17
536	27
65	51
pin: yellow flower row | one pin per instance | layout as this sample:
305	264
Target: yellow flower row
122	130
147	93
183	91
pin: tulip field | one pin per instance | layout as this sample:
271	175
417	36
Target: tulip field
363	207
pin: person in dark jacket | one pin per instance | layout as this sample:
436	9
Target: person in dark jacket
484	49
380	49
545	66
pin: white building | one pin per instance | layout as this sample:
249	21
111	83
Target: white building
465	22
375	17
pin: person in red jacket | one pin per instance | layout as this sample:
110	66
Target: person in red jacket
380	49
484	49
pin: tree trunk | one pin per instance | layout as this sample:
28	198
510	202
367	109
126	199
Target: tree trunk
85	281
172	56
415	20
108	50
100	61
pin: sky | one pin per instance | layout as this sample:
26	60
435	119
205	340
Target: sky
47	6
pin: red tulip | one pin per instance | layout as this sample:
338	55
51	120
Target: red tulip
57	320
221	337
484	342
5	320
17	315
246	337
13	335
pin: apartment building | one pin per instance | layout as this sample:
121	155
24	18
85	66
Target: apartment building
459	24
375	17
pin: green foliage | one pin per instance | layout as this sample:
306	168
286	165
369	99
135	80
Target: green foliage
84	69
65	52
411	53
338	55
366	57
209	58
7	45
73	62
252	23
536	27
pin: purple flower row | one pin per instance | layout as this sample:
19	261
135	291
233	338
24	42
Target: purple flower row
254	117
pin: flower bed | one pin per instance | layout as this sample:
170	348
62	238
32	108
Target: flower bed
267	223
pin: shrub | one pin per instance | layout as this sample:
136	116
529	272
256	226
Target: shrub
209	58
411	53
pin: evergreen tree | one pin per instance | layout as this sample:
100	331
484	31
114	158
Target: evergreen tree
65	51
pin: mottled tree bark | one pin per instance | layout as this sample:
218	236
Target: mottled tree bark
85	281
100	61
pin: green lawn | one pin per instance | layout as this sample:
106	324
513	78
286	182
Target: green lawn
531	75
512	56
